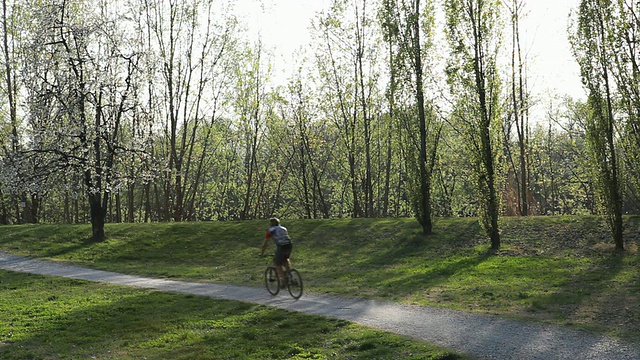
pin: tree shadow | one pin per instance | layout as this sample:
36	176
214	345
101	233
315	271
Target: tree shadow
593	299
405	263
45	241
104	322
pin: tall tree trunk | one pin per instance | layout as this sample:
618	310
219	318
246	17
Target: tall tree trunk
303	163
471	44
487	158
366	121
131	205
251	160
520	112
614	185
98	214
391	99
424	206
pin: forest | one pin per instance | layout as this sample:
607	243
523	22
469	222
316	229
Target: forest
161	110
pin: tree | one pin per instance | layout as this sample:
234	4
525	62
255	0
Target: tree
308	141
519	111
390	32
79	84
624	21
336	66
425	158
190	44
19	194
473	77
561	182
411	27
251	106
592	49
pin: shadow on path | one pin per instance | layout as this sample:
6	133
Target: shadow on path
477	335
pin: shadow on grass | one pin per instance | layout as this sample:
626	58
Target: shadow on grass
63	318
150	325
595	298
387	258
45	240
391	257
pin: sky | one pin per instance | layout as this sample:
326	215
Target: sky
283	25
550	53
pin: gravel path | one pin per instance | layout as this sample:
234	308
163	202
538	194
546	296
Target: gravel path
478	335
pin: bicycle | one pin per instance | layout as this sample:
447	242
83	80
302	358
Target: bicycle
292	278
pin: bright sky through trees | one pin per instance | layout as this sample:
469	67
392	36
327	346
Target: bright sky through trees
553	64
284	27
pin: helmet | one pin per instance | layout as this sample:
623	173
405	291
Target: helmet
274	221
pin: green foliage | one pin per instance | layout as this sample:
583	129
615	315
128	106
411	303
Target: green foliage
203	115
566	189
593	48
473	79
453	193
349	98
409	29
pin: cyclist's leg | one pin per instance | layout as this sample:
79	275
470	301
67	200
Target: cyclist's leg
287	254
279	259
286	263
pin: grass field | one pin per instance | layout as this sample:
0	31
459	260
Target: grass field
554	269
52	318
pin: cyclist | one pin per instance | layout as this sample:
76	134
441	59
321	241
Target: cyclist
280	237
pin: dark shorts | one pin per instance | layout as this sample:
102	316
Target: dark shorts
282	254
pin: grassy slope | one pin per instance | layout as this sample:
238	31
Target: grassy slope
557	269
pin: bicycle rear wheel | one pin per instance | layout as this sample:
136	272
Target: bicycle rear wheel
294	283
271	280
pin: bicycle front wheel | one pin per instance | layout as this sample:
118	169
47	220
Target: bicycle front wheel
294	284
271	280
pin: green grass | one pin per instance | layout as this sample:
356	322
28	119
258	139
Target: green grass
53	318
554	269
